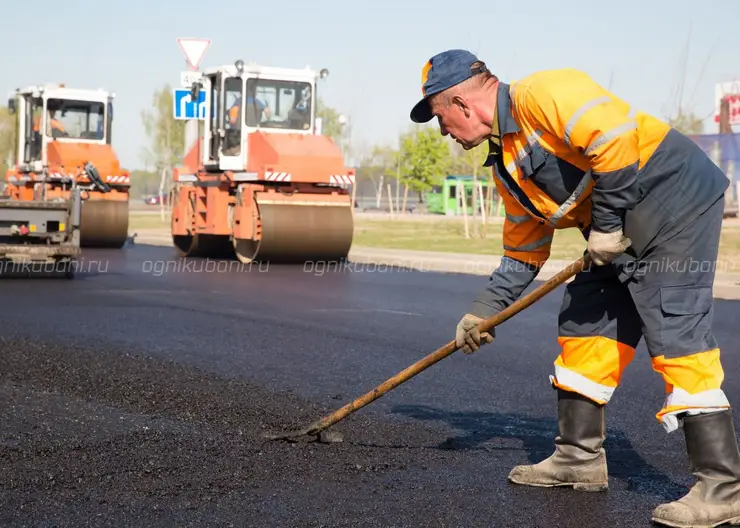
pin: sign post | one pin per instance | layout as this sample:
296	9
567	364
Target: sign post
185	108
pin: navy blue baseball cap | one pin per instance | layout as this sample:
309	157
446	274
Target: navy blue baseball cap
441	72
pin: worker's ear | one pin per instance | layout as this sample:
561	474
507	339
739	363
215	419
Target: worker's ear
462	104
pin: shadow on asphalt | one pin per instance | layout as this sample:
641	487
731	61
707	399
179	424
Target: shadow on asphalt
536	436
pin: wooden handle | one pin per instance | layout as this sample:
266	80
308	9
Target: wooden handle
441	353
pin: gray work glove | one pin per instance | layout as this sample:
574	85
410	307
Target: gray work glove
468	338
605	247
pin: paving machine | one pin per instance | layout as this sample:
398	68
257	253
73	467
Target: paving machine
59	130
46	230
261	182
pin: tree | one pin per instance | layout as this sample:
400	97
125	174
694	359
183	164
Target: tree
144	183
425	159
687	123
7	138
375	165
330	123
166	134
471	162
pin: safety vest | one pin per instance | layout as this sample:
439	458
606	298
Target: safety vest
560	132
234	114
54	123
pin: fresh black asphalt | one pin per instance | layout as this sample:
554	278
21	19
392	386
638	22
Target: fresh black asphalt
135	395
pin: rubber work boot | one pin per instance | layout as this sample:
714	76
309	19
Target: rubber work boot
715	461
579	460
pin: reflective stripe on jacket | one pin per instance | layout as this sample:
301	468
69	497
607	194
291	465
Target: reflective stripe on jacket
571	152
574	155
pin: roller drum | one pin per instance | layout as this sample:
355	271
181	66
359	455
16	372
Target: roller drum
293	233
206	246
104	223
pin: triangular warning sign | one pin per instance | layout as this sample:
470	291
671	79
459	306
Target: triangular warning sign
194	49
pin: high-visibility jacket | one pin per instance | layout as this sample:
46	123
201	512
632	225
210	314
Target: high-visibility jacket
54	123
572	154
233	114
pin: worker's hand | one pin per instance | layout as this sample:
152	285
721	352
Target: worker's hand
468	338
605	247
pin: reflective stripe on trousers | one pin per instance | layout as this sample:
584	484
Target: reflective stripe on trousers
593	367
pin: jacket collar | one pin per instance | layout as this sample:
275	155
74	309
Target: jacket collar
505	121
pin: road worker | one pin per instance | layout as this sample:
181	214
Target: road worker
54	128
255	108
566	153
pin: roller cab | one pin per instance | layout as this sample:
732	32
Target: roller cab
261	183
61	130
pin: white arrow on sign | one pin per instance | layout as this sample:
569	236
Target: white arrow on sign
184	102
194	50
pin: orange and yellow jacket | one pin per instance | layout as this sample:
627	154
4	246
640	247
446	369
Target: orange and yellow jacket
55	124
233	114
572	154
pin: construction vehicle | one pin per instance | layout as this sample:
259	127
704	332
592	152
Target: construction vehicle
58	131
46	231
261	182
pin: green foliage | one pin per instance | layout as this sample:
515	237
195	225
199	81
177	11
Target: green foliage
144	183
166	134
425	158
470	162
380	161
330	124
7	138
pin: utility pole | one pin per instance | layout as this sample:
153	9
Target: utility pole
726	128
724	116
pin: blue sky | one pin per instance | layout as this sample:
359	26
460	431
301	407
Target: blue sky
374	50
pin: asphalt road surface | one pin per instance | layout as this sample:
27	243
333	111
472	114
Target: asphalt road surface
135	395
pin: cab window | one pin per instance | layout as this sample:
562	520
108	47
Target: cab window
278	104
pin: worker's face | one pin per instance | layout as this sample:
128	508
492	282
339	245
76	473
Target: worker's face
458	119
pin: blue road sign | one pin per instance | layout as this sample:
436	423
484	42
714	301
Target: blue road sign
185	108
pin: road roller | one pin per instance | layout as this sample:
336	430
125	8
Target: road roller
58	131
44	234
259	181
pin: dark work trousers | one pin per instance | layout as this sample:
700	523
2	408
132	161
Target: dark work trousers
668	300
